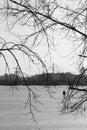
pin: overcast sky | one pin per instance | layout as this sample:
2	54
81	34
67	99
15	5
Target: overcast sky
61	56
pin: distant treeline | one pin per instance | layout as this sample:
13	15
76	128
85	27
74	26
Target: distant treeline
44	79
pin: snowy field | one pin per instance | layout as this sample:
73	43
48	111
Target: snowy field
13	115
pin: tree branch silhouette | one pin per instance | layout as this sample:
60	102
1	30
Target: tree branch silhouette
44	19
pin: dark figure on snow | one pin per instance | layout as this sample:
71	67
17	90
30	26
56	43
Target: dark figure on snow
64	93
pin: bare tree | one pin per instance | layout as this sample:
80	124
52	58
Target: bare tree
43	18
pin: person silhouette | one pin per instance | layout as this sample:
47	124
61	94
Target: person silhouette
64	93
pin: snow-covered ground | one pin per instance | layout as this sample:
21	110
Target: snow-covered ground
13	115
